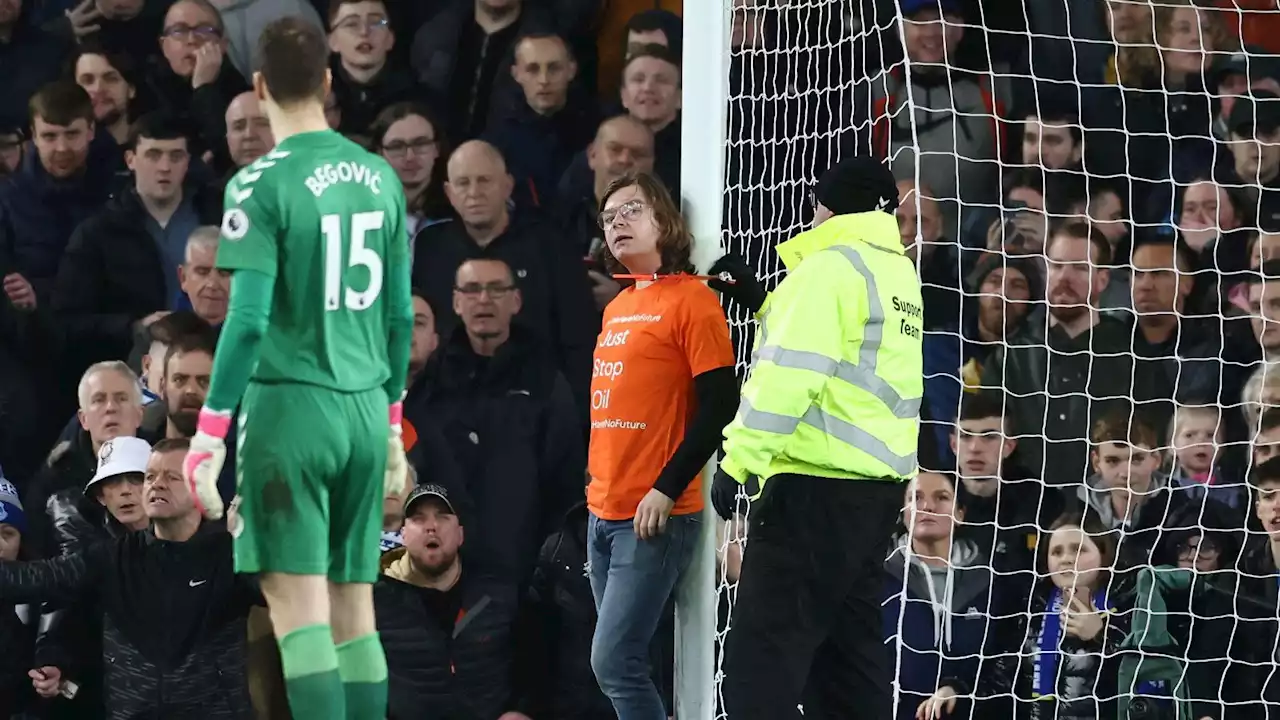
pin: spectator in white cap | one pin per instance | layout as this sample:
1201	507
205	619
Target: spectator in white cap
117	485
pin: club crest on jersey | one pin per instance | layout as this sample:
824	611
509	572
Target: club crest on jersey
235	224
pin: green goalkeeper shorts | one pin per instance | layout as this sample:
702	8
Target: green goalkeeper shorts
309	478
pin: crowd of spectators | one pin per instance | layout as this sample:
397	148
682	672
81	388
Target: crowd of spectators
1089	196
1093	216
121	122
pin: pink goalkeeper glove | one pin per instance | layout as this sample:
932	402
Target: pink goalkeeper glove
205	459
397	466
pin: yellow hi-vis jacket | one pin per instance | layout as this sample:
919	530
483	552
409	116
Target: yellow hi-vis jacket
837	370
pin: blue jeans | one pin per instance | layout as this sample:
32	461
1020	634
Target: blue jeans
631	580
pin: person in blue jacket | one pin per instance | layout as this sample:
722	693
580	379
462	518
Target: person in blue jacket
939	603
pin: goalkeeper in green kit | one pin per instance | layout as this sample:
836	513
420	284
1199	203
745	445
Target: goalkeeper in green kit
314	350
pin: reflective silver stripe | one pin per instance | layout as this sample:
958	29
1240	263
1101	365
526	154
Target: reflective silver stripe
863	374
902	465
856	375
872	336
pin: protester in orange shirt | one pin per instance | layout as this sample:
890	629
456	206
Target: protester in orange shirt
662	390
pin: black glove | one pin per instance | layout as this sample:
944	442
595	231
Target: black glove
724	494
745	289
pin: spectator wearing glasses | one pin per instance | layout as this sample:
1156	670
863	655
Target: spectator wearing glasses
648	450
507	412
407	135
361	37
555	302
192	80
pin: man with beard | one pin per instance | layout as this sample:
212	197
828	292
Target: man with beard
187	367
449	637
108	78
1083	369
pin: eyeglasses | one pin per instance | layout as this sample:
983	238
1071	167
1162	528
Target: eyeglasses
497	291
399	148
627	211
1204	547
358	24
203	33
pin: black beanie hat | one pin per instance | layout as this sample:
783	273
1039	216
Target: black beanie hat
857	185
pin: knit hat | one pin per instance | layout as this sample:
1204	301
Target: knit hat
11	512
858	185
991	262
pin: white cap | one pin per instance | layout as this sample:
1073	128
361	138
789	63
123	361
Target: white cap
119	456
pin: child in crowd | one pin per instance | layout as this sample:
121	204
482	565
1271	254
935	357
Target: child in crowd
1056	660
1196	433
1125	489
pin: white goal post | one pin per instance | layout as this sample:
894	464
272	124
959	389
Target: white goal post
704	104
752	144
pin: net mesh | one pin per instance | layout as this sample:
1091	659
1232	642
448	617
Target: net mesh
1127	369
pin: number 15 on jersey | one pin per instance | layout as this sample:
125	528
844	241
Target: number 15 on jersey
355	232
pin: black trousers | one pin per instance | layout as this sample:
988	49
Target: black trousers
806	626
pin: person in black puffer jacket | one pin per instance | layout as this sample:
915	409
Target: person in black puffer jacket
449	636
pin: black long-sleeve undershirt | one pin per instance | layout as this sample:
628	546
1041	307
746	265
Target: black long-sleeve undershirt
716	395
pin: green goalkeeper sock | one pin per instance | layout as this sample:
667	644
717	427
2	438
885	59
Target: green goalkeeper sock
311	678
363	668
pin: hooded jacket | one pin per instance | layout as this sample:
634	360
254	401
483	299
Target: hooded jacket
937	619
465	672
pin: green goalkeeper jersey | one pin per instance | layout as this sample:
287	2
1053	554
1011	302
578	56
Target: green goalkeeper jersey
325	218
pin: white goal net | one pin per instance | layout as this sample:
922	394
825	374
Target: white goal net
1091	191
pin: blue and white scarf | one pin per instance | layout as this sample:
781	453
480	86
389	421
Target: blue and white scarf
1044	677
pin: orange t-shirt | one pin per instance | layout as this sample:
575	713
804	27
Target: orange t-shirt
654	341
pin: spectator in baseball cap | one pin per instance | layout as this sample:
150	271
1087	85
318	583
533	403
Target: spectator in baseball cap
437	618
1256	118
